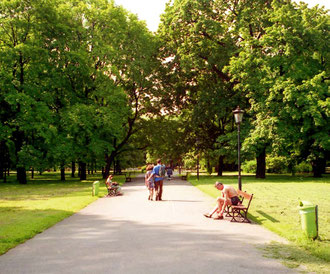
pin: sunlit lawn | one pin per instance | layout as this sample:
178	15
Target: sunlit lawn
275	203
26	210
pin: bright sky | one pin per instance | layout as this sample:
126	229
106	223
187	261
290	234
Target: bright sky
150	10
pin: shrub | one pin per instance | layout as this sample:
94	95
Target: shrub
249	166
303	167
277	165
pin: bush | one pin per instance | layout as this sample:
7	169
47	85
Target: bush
277	165
209	169
249	166
303	167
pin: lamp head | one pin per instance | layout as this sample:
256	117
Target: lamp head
238	114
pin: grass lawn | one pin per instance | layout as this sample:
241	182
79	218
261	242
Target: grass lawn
274	206
26	210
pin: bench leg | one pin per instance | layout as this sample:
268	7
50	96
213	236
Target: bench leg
228	211
237	216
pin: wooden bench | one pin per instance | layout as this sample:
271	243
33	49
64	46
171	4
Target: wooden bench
238	213
185	177
128	177
111	190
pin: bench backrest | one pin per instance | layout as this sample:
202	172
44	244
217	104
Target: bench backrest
246	196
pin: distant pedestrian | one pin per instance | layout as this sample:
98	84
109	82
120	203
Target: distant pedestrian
149	181
169	172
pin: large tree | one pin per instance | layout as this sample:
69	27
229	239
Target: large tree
285	74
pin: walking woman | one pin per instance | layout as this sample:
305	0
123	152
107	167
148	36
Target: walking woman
149	181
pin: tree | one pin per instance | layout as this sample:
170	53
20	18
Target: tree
26	116
283	73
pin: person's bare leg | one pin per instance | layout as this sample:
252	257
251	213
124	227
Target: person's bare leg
215	209
221	202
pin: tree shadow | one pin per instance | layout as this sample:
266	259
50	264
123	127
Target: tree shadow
264	214
98	244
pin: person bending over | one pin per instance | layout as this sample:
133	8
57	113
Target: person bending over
229	197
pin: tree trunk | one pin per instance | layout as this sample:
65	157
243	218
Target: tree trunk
109	161
261	165
62	173
2	159
83	175
18	140
21	175
318	166
32	173
73	168
220	163
1	171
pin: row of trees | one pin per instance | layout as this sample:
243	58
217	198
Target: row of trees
75	78
84	81
269	57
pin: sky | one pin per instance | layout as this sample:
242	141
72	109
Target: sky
150	10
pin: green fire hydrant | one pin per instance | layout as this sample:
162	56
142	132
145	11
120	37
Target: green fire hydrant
96	186
309	219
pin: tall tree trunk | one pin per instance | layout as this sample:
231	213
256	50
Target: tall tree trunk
32	173
220	163
82	167
62	172
73	168
18	140
109	161
2	159
21	175
261	164
318	166
1	171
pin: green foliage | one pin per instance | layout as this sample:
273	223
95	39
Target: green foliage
303	167
75	76
281	69
249	166
276	165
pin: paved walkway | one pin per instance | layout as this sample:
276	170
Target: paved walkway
129	234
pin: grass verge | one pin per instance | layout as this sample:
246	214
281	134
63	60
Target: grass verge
275	207
26	210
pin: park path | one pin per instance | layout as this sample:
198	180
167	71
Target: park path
129	234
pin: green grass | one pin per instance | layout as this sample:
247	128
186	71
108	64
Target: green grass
274	206
26	210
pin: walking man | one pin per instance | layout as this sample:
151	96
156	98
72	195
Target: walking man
159	172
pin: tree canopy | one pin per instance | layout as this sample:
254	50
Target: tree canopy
86	82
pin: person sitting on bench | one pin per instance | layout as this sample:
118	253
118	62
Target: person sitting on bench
229	197
113	185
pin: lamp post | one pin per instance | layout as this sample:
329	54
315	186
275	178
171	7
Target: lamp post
197	143
238	114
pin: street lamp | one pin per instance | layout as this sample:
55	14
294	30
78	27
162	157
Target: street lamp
197	143
238	114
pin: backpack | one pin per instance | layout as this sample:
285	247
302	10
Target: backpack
162	171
